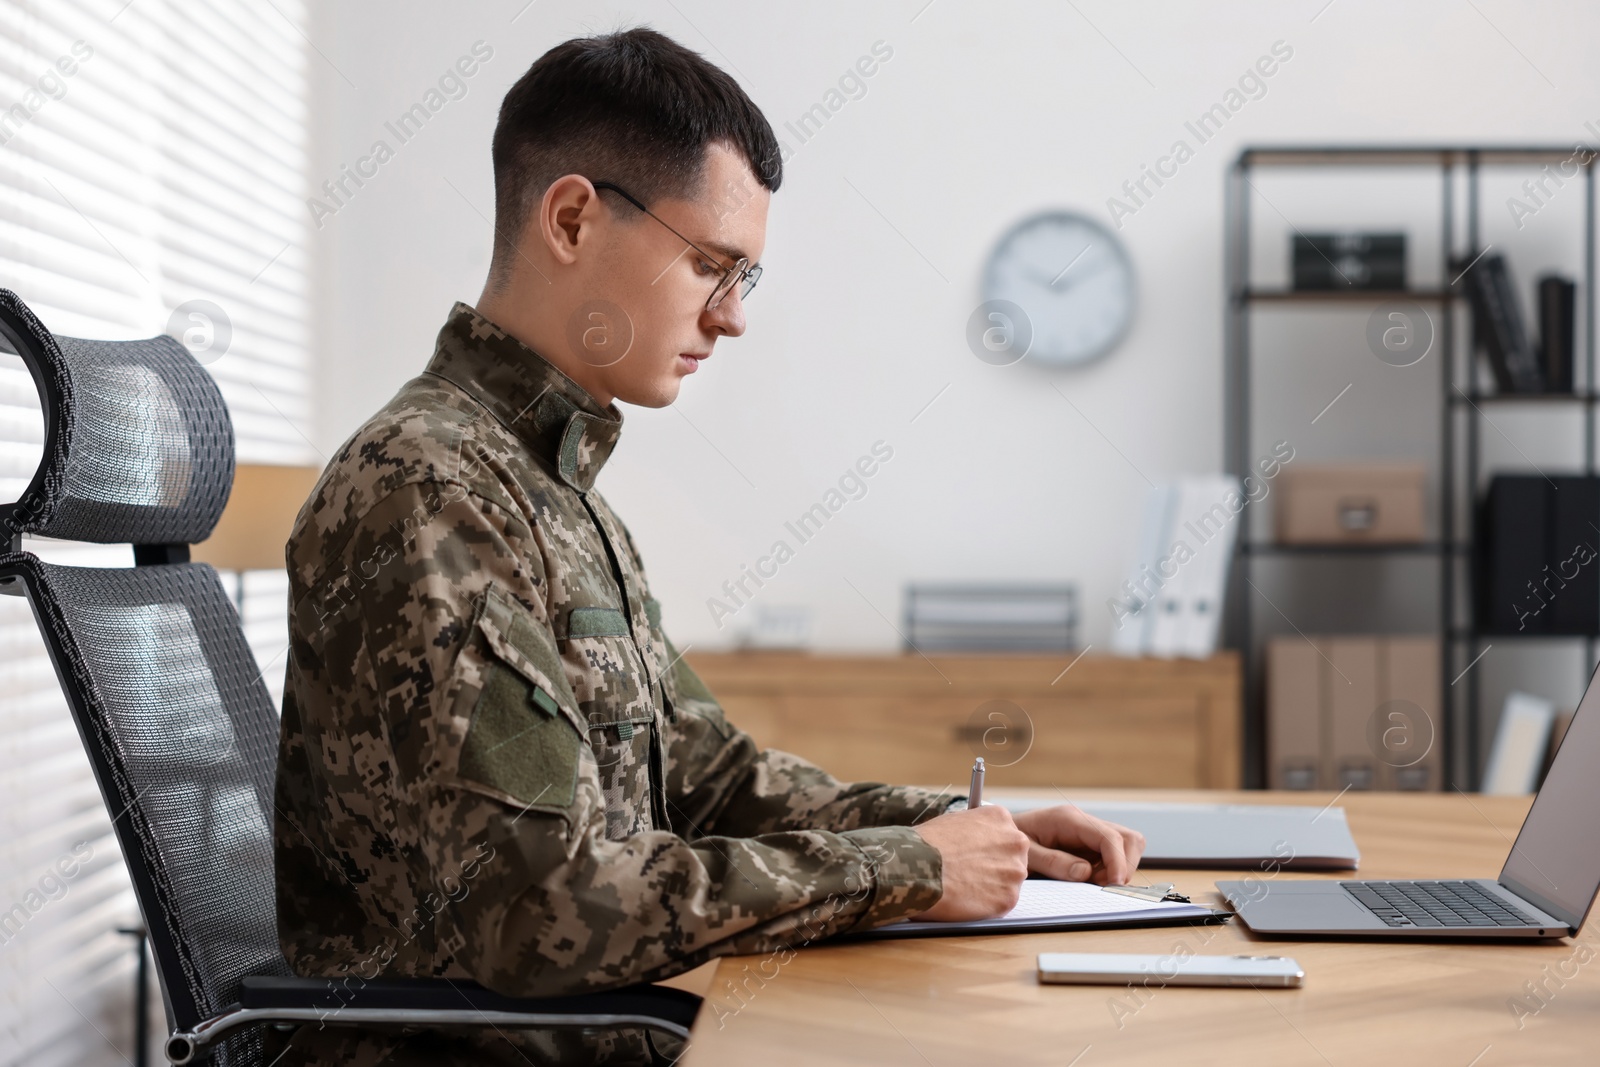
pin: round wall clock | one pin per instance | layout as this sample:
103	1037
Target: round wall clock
1072	278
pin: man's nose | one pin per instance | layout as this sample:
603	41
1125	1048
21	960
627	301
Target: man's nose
727	317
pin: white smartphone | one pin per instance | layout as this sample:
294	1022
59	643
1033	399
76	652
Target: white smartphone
1111	968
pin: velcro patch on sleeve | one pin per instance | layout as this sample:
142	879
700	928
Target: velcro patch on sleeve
528	646
519	745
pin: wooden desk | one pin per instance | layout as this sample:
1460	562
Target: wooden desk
975	1001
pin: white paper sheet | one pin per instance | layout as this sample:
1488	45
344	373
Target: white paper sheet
1045	903
1046	899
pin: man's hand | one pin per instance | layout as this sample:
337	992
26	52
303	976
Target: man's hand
1072	846
985	859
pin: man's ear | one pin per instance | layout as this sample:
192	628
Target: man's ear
568	212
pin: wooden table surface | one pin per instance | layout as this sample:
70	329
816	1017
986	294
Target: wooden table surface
974	1001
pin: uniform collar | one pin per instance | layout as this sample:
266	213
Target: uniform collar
534	400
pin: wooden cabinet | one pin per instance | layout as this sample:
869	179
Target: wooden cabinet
1106	721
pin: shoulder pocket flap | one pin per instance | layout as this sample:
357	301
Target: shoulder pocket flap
527	648
518	748
597	622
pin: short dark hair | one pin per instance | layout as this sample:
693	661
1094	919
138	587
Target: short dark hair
633	107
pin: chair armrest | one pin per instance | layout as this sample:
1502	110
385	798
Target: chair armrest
455	994
431	1002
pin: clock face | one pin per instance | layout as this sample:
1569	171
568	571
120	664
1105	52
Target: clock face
1072	278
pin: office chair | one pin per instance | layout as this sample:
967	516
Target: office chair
178	725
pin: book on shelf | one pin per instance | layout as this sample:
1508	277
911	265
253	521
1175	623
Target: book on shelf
1536	570
1497	324
1557	306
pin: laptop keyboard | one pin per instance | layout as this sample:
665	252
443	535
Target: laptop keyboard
1436	904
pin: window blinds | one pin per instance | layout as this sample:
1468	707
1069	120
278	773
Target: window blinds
152	172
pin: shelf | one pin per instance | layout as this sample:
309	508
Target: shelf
1474	635
1369	155
1577	397
1457	213
1269	548
1342	296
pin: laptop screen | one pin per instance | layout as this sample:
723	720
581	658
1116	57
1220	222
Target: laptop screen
1556	860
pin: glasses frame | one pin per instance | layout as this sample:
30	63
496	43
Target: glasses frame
743	276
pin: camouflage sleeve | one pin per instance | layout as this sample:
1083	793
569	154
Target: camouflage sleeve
500	790
720	782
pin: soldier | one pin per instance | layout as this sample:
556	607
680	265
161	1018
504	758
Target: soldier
493	764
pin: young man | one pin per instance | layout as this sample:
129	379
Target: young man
493	763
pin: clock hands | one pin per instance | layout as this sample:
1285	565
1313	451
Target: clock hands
1051	283
1074	262
1074	276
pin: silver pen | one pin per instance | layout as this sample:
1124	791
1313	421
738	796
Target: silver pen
975	791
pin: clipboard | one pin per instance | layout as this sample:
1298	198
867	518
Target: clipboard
1048	905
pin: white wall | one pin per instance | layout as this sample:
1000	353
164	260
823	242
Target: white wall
985	112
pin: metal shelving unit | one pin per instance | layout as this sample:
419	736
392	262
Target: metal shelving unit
1459	453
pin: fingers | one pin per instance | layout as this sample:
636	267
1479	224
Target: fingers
1133	846
1106	839
1053	863
1118	849
1132	843
992	812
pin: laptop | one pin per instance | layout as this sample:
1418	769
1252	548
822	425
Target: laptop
1544	890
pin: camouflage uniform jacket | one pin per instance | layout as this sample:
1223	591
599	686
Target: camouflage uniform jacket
493	764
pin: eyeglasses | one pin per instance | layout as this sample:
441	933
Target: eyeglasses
741	273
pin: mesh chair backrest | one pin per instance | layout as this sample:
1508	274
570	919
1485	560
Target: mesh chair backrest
178	725
182	734
138	443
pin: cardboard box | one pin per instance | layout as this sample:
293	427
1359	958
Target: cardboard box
1294	715
1353	711
1410	725
1371	503
1352	698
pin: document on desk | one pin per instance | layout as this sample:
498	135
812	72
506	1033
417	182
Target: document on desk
1046	904
1235	836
